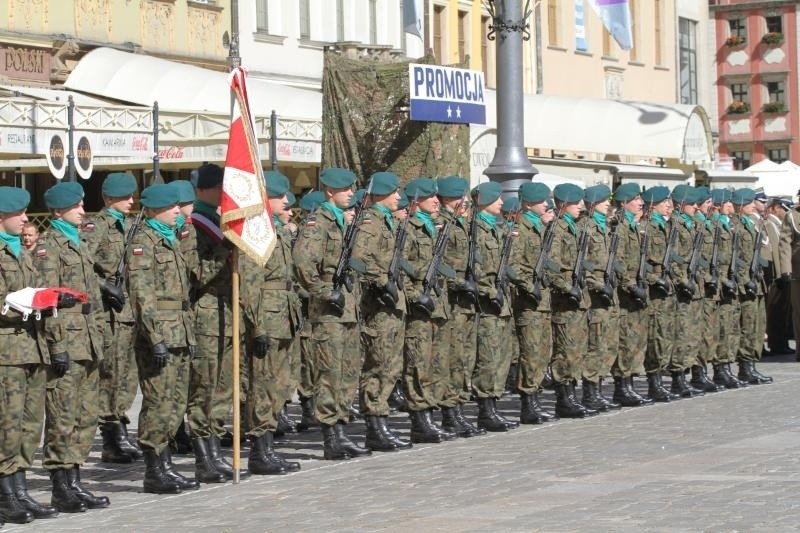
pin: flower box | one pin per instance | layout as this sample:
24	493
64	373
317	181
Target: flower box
737	107
773	107
772	38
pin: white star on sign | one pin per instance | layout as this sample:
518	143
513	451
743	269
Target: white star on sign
458	112
449	112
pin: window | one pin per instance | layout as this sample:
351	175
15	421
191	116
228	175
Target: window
305	19
657	30
438	22
373	22
741	159
776	90
463	28
738	27
688	60
552	22
485	47
774	24
606	43
262	16
778	154
634	55
340	20
740	92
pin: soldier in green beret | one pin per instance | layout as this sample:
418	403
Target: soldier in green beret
158	282
23	369
105	237
76	340
333	314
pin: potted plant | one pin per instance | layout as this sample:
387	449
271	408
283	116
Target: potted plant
735	40
773	107
772	38
738	107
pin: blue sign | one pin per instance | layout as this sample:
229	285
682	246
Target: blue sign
446	94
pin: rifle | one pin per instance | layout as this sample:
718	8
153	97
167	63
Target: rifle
535	293
729	288
751	286
606	293
688	289
662	283
579	272
341	276
639	292
470	289
713	267
388	296
501	280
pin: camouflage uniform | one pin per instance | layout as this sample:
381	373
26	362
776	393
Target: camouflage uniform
159	289
71	406
633	319
688	307
661	331
752	315
710	324
22	369
727	337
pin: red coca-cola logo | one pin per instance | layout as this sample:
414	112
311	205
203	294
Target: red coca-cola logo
139	143
171	152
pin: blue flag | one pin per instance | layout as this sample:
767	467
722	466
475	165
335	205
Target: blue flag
616	17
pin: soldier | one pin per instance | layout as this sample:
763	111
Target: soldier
790	267
105	237
75	340
333	314
632	297
30	236
531	301
158	285
273	317
510	211
751	289
462	295
778	302
23	369
383	307
603	340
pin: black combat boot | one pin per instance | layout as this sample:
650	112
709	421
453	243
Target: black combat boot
307	419
217	459
589	411
397	400
721	377
539	408
64	498
181	442
680	387
527	412
353	449
630	384
111	432
622	393
333	449
421	431
700	380
489	419
204	469
91	501
729	373
285	424
661	386
453	423
354	413
35	508
590	397
654	391
376	440
183	483
11	509
510	424
511	380
762	379
399	443
446	435
565	403
608	403
263	461
547	380
126	444
155	480
470	429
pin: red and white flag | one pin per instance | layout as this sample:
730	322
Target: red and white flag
245	217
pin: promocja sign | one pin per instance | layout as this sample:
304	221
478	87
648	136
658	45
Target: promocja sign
446	94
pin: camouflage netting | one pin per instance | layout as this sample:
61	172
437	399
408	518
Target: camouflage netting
366	125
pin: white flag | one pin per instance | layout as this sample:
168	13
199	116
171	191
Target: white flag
412	17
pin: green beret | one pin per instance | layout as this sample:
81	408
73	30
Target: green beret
209	176
337	178
384	183
720	196
185	191
743	196
452	187
421	188
357	198
656	194
701	194
63	195
277	183
510	204
403	203
627	192
596	193
551	205
534	192
159	195
487	192
568	193
683	194
13	199
119	185
290	199
311	200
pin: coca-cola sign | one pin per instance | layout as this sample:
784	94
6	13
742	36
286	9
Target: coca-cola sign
171	152
56	157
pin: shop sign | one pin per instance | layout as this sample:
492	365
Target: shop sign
23	62
56	155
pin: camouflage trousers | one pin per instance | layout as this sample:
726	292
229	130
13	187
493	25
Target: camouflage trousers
535	335
305	384
382	340
752	324
709	333
164	396
210	386
70	416
117	370
421	365
461	353
295	370
270	377
660	333
633	325
728	335
22	392
336	351
493	355
603	343
687	331
570	342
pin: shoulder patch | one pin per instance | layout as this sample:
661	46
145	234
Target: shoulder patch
184	234
41	252
439	226
515	233
310	223
137	251
89	226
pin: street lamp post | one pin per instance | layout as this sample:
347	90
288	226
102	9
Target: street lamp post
510	165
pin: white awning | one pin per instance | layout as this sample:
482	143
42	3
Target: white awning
729	179
669	131
649	174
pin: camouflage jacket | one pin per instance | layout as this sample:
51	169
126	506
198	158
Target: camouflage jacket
658	247
106	242
628	256
21	342
419	253
490	246
524	256
457	249
315	255
682	252
211	283
80	330
158	284
564	253
598	249
746	252
187	236
703	271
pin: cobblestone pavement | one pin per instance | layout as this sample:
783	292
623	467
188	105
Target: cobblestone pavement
723	462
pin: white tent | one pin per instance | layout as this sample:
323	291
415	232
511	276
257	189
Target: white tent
775	179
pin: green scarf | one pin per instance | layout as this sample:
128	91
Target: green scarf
570	222
723	219
180	222
703	220
489	219
336	211
207	210
276	221
687	220
387	214
67	230
426	218
165	230
600	219
631	218
534	219
118	216
659	219
747	222
14	243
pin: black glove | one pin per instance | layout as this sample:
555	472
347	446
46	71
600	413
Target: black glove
159	353
66	300
192	349
60	364
783	281
113	295
336	300
261	346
